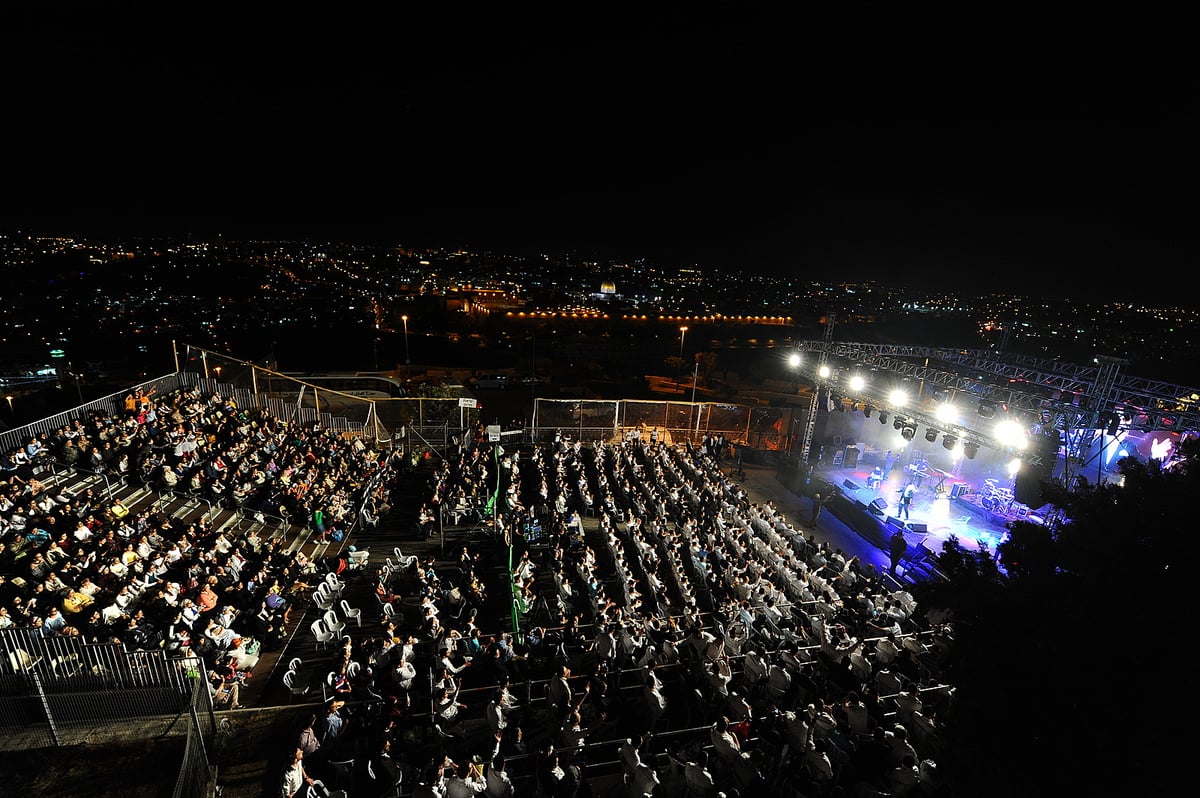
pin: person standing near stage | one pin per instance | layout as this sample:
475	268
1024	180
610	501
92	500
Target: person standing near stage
818	504
897	546
906	497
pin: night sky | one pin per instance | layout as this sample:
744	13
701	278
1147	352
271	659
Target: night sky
1033	157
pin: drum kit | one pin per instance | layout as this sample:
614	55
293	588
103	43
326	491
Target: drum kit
1001	500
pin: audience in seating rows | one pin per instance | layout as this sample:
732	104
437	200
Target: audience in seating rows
84	565
685	606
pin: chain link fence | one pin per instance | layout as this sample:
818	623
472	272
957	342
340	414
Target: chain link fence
750	426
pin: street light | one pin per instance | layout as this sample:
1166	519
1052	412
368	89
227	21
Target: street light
682	333
407	359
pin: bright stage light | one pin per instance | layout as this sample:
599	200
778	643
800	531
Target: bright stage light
946	413
857	383
1014	466
898	398
824	372
794	360
1010	433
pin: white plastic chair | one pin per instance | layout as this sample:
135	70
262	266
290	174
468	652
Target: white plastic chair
334	624
291	680
336	585
404	561
389	612
322	633
324	598
352	613
358	559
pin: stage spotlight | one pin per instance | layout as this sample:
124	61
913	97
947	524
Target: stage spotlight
986	410
949	441
898	423
882	416
931	434
970	449
867	411
908	432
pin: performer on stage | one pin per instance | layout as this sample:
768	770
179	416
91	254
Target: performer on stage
906	497
876	478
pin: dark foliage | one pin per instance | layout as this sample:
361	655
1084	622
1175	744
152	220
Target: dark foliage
1066	652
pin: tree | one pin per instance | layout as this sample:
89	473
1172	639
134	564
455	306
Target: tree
708	362
676	364
1056	645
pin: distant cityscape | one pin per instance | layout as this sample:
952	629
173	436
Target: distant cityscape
108	310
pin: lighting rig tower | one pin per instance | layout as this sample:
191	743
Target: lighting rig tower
810	421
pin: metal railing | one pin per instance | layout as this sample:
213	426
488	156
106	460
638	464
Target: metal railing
59	691
753	426
113	404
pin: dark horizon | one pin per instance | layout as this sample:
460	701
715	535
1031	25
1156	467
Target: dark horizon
732	138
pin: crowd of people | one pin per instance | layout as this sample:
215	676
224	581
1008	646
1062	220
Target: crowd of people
83	564
687	624
684	620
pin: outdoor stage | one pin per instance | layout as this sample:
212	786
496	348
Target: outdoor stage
942	507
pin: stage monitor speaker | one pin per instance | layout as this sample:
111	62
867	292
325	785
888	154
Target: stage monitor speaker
917	526
879	506
848	485
894	523
959	489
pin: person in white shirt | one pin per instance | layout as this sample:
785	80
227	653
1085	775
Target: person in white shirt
295	777
719	676
645	780
467	782
725	743
447	706
404	673
497	716
698	778
779	682
754	670
817	763
499	785
656	702
630	754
